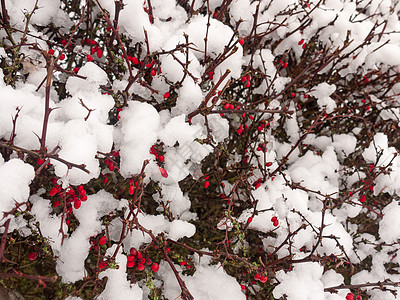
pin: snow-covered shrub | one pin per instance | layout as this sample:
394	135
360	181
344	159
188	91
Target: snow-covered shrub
202	149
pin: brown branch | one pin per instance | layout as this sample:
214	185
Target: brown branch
4	239
40	279
45	155
87	108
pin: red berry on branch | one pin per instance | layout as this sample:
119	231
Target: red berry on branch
163	172
103	240
241	42
166	95
350	296
363	198
134	60
89	57
103	264
77	204
206	184
99	53
32	256
249	220
62	56
155	267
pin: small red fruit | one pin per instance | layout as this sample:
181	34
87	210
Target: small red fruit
206	184
77	204
32	256
249	220
166	95
39	161
103	240
163	172
89	57
155	267
99	53
301	41
153	72
55	190
62	56
51	52
349	296
130	264
140	267
263	279
363	198
133	252
131	189
56	204
257	276
64	42
76	70
103	264
134	60
241	42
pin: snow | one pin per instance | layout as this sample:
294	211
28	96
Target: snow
15	177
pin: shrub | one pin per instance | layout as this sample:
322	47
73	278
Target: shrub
199	149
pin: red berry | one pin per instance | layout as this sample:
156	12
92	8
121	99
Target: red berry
140	267
206	184
241	41
64	42
55	190
51	52
349	296
39	161
133	252
249	220
163	172
248	84
77	204
76	70
210	75
93	50
62	56
292	95
301	41
103	240
153	72
130	258
89	57
131	189
257	276
56	204
32	256
363	198
263	279
111	166
83	197
242	287
166	95
130	264
99	53
134	60
103	264
155	267
88	41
